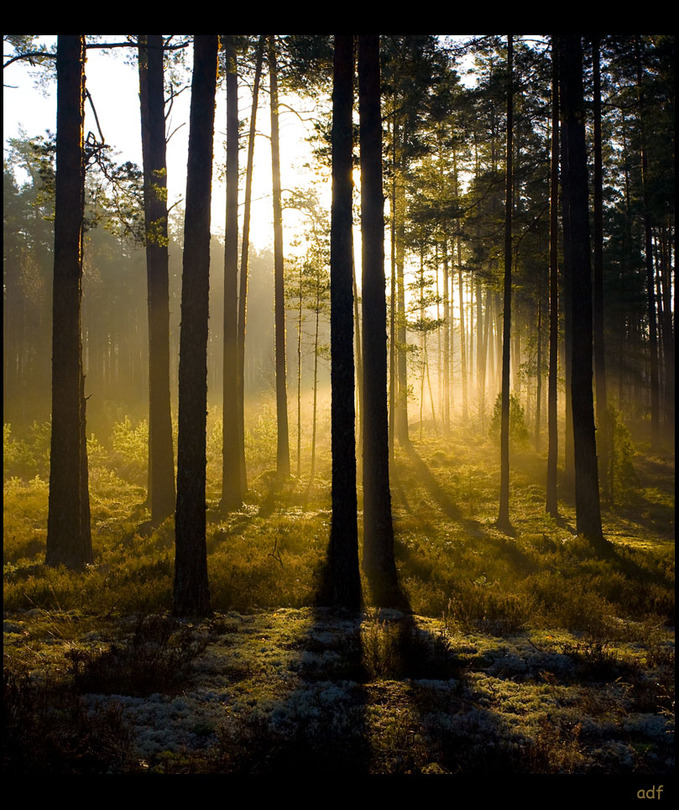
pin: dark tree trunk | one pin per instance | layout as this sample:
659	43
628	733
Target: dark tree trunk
578	267
161	482
232	495
551	500
69	539
604	435
378	532
648	259
245	249
343	567
283	446
503	516
191	592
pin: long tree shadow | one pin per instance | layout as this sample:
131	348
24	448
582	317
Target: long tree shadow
319	726
453	512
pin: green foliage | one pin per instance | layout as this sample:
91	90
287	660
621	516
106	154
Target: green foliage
129	456
518	430
26	457
622	478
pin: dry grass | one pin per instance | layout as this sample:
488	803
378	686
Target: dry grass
523	654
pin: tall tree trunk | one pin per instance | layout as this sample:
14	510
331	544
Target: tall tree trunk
191	591
551	501
69	539
244	255
283	445
503	516
378	531
578	268
447	310
398	249
604	430
161	482
648	257
343	583
232	494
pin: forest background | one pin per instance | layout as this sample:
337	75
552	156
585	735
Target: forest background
445	140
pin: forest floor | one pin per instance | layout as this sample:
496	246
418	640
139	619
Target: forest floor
523	655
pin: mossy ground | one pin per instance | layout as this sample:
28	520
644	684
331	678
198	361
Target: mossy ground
524	653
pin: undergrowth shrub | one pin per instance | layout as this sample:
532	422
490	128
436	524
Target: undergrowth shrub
129	450
154	659
518	430
47	730
622	479
400	649
27	456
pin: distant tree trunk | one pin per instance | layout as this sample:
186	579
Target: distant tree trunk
551	501
399	201
578	267
245	249
161	482
503	517
344	578
378	532
283	447
232	494
447	309
604	431
191	591
648	257
359	359
317	323
69	539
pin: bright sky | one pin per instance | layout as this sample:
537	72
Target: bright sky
114	87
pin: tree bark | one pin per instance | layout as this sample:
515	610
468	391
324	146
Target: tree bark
244	255
283	442
161	481
579	270
503	516
69	539
551	501
191	591
232	495
378	532
648	260
604	430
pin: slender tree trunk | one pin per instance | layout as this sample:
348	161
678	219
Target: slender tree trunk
538	371
300	309
191	591
359	359
578	267
317	321
69	539
447	309
378	531
463	340
161	483
648	256
551	502
604	431
503	517
283	446
343	582
401	409
245	250
232	495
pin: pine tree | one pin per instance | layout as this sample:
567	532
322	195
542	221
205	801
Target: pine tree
161	483
69	539
191	591
378	531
